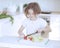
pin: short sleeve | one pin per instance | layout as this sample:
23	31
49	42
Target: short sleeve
24	22
43	23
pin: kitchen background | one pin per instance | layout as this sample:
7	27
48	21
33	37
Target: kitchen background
6	29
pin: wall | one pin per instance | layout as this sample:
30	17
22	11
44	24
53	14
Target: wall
46	5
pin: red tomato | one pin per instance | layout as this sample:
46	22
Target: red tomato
25	37
30	38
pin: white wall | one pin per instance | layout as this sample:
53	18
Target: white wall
50	5
55	27
46	5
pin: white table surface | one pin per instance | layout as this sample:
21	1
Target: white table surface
13	42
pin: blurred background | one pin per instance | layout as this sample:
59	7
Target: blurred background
14	6
46	5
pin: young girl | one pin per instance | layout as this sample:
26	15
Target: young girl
32	23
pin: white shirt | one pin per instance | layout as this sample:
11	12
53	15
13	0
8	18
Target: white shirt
32	26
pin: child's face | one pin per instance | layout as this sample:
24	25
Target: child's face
31	13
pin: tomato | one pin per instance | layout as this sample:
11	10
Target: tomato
25	37
30	38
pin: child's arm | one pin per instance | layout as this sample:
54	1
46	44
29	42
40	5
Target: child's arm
44	32
20	31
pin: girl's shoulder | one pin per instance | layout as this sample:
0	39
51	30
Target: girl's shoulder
40	19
